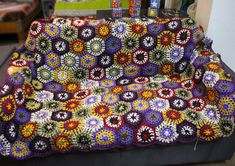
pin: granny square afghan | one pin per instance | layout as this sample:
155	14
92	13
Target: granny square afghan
86	85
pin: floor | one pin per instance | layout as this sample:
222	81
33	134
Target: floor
6	47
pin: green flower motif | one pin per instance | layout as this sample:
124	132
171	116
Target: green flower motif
100	90
193	116
69	33
26	72
153	86
70	61
43	44
189	23
28	56
83	140
53	105
226	126
184	94
48	129
96	46
44	74
157	56
189	72
79	75
114	72
130	44
159	78
81	113
33	105
122	107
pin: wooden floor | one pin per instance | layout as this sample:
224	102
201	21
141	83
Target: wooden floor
5	49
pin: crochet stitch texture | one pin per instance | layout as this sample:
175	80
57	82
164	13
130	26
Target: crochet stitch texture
88	85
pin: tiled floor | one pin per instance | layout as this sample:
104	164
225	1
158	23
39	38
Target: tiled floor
4	50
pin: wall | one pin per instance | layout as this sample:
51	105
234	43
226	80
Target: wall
221	29
203	12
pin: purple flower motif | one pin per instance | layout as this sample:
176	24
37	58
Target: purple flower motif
174	25
86	33
199	61
199	90
22	115
40	145
223	86
187	132
113	45
155	29
16	79
125	135
54	87
153	118
170	84
188	51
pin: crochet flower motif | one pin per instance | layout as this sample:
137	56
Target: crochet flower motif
120	29
159	104
96	46
86	85
208	131
125	135
175	54
7	107
166	132
210	79
36	28
43	96
145	135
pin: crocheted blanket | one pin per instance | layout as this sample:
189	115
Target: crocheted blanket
86	85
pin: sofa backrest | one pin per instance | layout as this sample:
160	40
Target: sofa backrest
73	50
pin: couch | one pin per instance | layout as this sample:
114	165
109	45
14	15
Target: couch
92	85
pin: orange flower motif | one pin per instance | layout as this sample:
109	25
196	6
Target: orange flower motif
166	68
213	66
28	89
147	94
211	95
207	131
72	87
173	116
72	105
138	30
102	110
71	127
206	53
118	89
103	30
28	130
166	39
7	108
78	46
62	143
162	20
175	78
122	58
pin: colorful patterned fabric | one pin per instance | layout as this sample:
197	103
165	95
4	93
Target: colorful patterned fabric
90	85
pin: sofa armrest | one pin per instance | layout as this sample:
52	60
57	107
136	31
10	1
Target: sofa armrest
17	85
220	84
